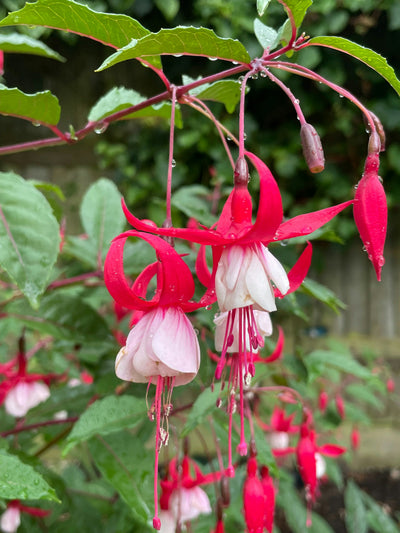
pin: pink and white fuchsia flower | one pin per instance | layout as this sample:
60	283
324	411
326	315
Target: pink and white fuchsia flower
25	396
162	347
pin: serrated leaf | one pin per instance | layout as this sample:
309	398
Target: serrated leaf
101	214
378	520
204	405
192	200
262	6
21	481
361	392
128	467
42	107
337	360
110	29
323	294
63	317
105	416
182	40
23	44
356	516
366	55
225	91
266	36
120	98
29	235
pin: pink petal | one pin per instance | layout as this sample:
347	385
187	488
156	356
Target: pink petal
370	213
10	520
331	450
309	222
299	271
270	211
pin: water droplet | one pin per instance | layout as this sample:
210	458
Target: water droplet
356	187
263	74
101	128
380	179
235	62
381	261
285	242
213	58
341	96
173	163
208	307
177	55
297	101
228	139
364	248
197	332
36	123
241	79
244	136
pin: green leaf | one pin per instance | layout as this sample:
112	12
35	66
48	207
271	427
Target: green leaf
120	98
105	416
266	36
192	200
299	9
378	520
179	41
21	481
361	392
29	235
264	453
23	44
40	108
262	6
366	55
356	516
323	294
109	29
225	91
128	467
322	358
101	214
64	317
204	405
169	8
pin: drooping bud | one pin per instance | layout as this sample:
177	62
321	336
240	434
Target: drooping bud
370	213
225	491
269	491
312	148
253	499
323	401
340	406
380	131
241	173
390	385
374	143
355	438
241	200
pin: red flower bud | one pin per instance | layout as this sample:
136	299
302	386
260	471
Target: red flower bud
370	213
355	439
253	499
323	401
312	148
390	386
340	406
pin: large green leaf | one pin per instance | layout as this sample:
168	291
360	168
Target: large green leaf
105	416
120	98
128	466
299	9
23	44
112	30
63	317
322	358
192	200
225	91
29	235
356	516
182	40
366	55
323	294
40	108
101	214
21	481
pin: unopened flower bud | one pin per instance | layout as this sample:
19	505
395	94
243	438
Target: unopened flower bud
374	143
390	385
241	173
312	148
225	491
379	130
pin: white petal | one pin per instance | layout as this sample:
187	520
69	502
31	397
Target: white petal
275	271
168	522
175	343
24	396
259	286
264	323
10	520
188	504
234	257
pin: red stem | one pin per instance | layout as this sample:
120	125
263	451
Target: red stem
30	427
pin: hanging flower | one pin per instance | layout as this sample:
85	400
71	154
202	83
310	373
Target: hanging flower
11	518
254	499
162	348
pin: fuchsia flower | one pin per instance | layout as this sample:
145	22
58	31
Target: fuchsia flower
306	453
182	499
162	347
370	212
279	429
20	391
11	518
270	493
